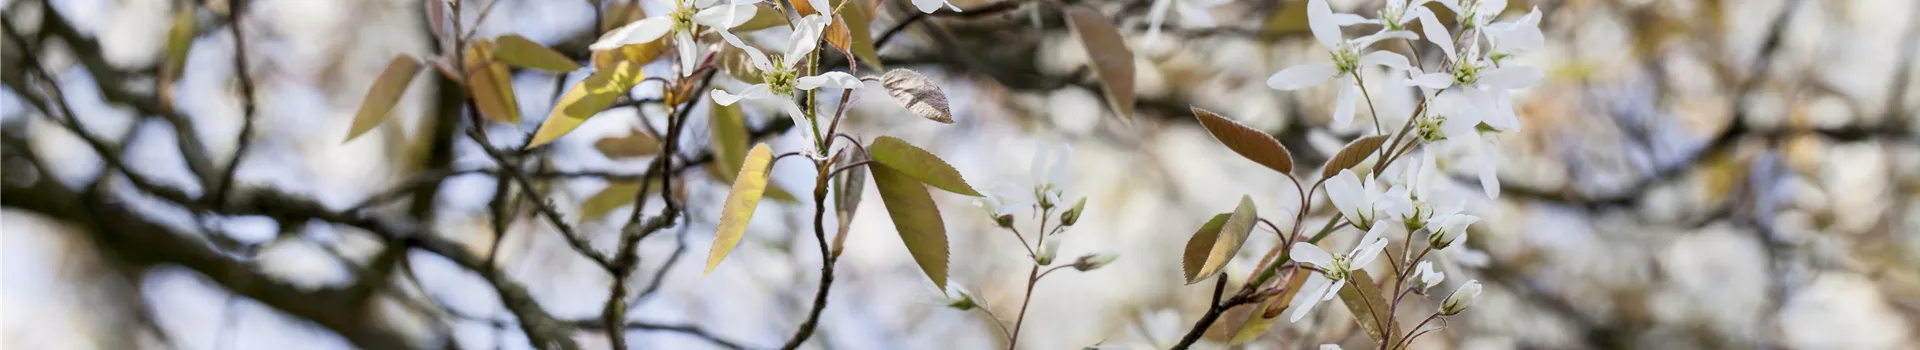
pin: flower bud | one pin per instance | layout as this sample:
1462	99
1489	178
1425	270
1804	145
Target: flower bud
1047	250
1073	215
1005	221
1094	261
963	303
1460	299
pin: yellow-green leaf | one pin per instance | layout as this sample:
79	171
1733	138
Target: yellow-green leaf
1352	155
384	94
586	99
919	164
179	41
1112	60
635	144
1252	144
737	64
1369	307
917	219
490	84
747	188
517	50
1199	245
614	196
847	194
1205	257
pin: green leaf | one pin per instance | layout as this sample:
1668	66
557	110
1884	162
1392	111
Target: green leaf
728	130
1216	243
1369	308
917	219
384	94
586	99
1252	144
747	188
1355	152
919	164
518	51
1112	60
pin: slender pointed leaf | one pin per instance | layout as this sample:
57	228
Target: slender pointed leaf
586	99
1269	310
1252	144
858	17
1233	233
519	51
1352	155
917	219
1112	60
919	164
728	130
617	194
384	94
747	188
491	84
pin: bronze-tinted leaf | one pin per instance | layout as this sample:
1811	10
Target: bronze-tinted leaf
586	99
745	196
1252	144
917	219
517	50
1369	307
1352	155
858	17
1269	310
918	94
919	164
635	144
1112	60
642	53
735	62
848	189
491	84
1232	235
384	94
837	35
1200	245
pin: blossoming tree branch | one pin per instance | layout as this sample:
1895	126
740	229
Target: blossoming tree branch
808	59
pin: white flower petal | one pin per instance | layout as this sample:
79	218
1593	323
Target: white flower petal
1301	76
1370	246
1432	81
1347	19
759	59
1320	20
1348	100
1311	254
689	52
757	91
642	31
1333	290
1387	59
1489	170
1347	195
830	80
725	16
1436	33
1062	162
822	6
929	6
1194	14
805	38
1304	301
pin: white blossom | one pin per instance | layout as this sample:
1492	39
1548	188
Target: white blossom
1330	347
1193	11
1460	299
1472	14
683	21
1051	165
781	75
1362	201
1428	276
1347	55
1321	287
